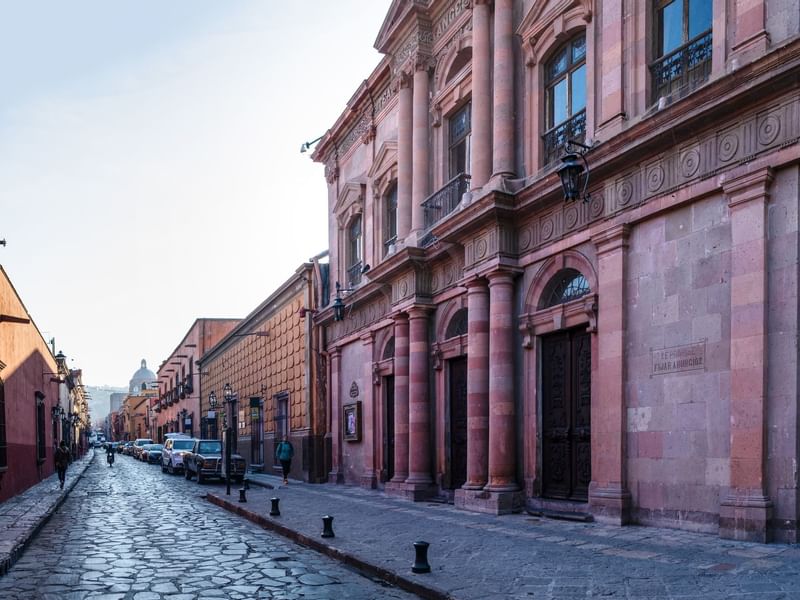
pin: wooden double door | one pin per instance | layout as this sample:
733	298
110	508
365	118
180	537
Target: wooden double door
566	415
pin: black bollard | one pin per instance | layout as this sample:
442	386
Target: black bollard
275	512
327	526
421	561
242	497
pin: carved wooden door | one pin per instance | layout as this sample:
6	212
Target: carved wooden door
458	422
566	415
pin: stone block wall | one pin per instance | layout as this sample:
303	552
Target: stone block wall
678	298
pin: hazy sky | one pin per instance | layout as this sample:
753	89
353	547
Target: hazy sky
150	170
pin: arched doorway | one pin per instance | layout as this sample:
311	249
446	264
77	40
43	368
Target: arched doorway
566	373
456	434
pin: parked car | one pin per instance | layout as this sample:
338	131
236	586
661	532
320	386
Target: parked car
137	446
174	450
205	460
127	448
151	453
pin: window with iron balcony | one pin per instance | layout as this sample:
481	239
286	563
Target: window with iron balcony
390	219
565	98
682	46
354	252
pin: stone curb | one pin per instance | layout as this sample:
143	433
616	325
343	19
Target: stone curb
7	559
410	585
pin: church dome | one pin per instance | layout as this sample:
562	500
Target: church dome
144	378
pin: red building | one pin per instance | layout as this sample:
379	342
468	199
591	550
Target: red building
624	346
31	382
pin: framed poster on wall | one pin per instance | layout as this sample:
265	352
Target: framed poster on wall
351	421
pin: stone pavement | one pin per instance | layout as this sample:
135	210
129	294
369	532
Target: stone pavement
24	514
477	556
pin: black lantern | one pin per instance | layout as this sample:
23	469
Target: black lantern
212	400
338	303
227	392
61	359
573	174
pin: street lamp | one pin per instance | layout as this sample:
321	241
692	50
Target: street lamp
572	172
230	401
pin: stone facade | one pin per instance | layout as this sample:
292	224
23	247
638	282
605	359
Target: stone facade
272	362
631	354
177	408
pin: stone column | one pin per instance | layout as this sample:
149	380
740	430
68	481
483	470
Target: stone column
746	511
481	158
419	420
477	385
335	476
369	479
609	500
751	39
404	157
502	414
400	399
503	138
420	185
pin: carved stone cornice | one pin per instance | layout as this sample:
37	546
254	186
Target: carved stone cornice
611	239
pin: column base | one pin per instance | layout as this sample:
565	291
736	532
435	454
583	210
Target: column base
369	481
753	47
493	503
416	492
335	477
610	504
745	516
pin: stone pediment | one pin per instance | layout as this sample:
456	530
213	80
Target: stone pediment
385	158
395	19
547	20
350	202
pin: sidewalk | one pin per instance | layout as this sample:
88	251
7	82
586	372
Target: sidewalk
24	514
476	556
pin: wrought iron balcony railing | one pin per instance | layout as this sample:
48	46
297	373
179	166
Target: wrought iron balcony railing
555	140
684	69
354	274
443	202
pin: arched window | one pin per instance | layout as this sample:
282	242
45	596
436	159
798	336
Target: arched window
388	349
389	218
354	252
565	97
462	59
567	285
458	324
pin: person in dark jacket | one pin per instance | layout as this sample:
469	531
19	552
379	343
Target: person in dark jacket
62	462
285	452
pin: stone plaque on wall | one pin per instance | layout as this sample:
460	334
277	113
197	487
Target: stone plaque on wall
676	359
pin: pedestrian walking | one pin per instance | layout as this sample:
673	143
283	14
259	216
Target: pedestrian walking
62	462
285	452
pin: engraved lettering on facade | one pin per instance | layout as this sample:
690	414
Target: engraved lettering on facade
691	357
450	15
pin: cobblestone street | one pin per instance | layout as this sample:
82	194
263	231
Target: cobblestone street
129	532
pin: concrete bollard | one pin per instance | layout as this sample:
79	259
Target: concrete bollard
242	497
327	527
275	511
421	560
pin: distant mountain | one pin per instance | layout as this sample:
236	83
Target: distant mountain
101	400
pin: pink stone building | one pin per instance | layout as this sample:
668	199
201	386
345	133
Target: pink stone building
631	354
176	409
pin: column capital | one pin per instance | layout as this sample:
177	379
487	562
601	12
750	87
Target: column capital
500	276
400	317
419	312
482	2
747	187
475	284
611	239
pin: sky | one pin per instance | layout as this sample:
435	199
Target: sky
150	165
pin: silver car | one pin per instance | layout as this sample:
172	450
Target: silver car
172	454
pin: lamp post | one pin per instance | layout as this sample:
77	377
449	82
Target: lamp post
230	404
572	172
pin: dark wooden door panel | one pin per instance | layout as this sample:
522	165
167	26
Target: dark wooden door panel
566	415
458	422
388	429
